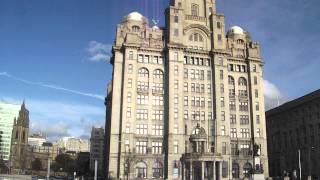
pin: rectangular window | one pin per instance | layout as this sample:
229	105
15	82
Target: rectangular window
233	133
176	32
243	106
222	101
157	101
142	114
130	55
255	80
176	19
256	93
209	88
156	147
203	116
157	115
142	99
129	95
176	113
157	130
221	88
176	99
146	59
185	101
141	147
221	74
201	74
176	70
202	103
219	37
208	75
218	25
210	116
140	58
224	148
257	106
128	112
185	73
244	119
232	105
258	132
127	128
233	119
185	115
201	88
223	116
155	59
223	130
258	119
209	103
130	68
185	87
175	147
176	84
193	87
142	129
175	129
129	83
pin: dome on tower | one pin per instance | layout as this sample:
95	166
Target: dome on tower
135	16
236	30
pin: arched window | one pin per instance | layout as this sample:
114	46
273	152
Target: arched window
247	168
242	81
143	72
17	134
230	80
195	10
157	170
141	170
240	41
135	28
158	74
196	37
254	68
235	170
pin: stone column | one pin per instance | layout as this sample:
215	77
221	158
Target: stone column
191	171
202	169
220	170
214	170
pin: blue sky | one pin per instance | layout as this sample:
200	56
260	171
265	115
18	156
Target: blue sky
54	54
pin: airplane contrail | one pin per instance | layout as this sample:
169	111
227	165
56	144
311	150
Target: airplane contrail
51	86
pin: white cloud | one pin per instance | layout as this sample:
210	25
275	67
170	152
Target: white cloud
273	96
98	51
57	119
51	86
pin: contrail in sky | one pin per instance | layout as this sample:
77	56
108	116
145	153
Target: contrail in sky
96	96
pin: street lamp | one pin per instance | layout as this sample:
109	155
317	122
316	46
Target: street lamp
300	167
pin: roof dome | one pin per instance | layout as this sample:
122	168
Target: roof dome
135	16
155	27
236	30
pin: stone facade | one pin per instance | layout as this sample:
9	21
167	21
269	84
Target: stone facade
19	142
186	100
293	127
97	149
73	144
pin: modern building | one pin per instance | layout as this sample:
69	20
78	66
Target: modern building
73	144
8	112
36	139
292	128
186	100
19	142
97	145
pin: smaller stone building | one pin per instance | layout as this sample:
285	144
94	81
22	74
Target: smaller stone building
293	127
97	148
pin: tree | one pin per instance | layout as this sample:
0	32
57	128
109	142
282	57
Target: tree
64	162
36	164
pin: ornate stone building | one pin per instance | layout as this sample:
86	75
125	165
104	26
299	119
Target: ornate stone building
19	142
186	100
293	127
